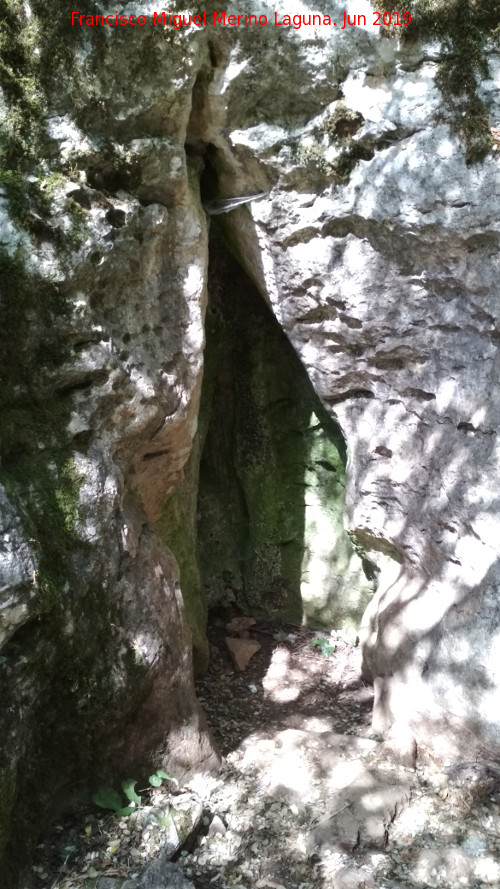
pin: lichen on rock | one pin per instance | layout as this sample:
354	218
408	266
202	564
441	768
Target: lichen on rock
467	30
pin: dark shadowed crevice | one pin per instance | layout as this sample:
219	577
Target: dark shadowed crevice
270	529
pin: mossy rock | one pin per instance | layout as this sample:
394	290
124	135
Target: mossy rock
464	28
177	527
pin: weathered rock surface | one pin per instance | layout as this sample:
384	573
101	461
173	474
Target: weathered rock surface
101	347
354	801
360	814
272	472
353	878
161	874
239	625
18	570
387	286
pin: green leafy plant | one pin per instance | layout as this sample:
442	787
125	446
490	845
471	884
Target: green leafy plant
326	648
107	798
66	850
128	788
156	779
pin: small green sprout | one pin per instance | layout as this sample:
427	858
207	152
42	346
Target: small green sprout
107	798
324	645
156	779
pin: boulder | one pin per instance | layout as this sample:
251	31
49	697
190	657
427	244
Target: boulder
101	356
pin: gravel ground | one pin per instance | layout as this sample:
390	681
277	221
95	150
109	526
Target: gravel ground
225	831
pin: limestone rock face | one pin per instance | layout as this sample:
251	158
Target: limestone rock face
101	346
18	570
384	273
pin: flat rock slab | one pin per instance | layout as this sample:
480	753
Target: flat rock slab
361	813
354	798
353	878
160	874
241	650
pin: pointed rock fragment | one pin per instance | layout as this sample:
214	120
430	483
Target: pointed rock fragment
239	624
241	650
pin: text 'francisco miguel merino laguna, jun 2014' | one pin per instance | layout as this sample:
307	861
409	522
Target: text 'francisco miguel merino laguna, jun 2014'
185	20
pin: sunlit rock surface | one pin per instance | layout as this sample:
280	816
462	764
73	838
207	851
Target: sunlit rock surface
354	801
387	286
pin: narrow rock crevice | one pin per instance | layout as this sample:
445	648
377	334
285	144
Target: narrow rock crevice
272	469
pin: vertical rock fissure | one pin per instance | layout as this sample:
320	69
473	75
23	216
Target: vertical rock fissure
270	531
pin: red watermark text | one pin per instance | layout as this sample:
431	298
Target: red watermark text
244	19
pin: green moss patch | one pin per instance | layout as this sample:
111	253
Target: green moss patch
37	54
177	527
67	675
